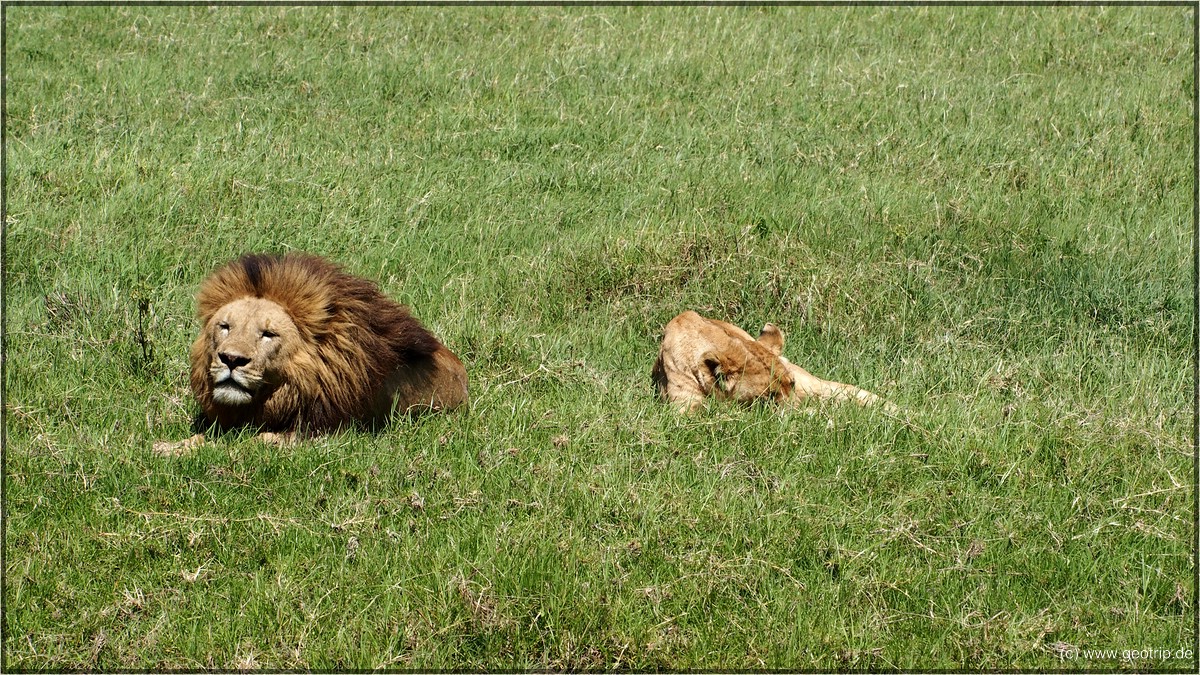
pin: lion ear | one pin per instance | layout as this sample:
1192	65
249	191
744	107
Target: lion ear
772	338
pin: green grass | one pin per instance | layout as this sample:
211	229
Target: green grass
983	214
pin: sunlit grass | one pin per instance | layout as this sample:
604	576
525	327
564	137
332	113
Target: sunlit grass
983	214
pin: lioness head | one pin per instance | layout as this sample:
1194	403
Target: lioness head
250	342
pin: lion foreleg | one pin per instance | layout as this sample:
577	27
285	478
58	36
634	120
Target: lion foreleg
811	386
178	448
277	439
838	391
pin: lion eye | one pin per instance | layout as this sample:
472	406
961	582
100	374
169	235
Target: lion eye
223	326
268	334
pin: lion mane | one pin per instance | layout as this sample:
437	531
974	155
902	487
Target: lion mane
357	355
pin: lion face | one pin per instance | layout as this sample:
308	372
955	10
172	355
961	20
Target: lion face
249	343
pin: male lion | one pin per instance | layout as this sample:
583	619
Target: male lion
292	343
703	357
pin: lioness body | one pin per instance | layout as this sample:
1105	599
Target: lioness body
702	358
294	343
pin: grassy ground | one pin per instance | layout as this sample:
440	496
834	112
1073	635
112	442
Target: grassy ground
983	214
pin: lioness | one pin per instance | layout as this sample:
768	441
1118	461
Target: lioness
703	357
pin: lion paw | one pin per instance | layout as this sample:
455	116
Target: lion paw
177	448
277	439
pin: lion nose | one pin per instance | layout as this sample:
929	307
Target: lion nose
233	360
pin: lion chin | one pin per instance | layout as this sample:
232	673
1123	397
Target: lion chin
227	391
292	344
705	358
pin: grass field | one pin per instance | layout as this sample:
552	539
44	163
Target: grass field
983	214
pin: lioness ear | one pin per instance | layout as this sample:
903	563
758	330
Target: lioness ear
772	338
714	366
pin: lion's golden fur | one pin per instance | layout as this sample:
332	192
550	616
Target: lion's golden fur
354	355
702	358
